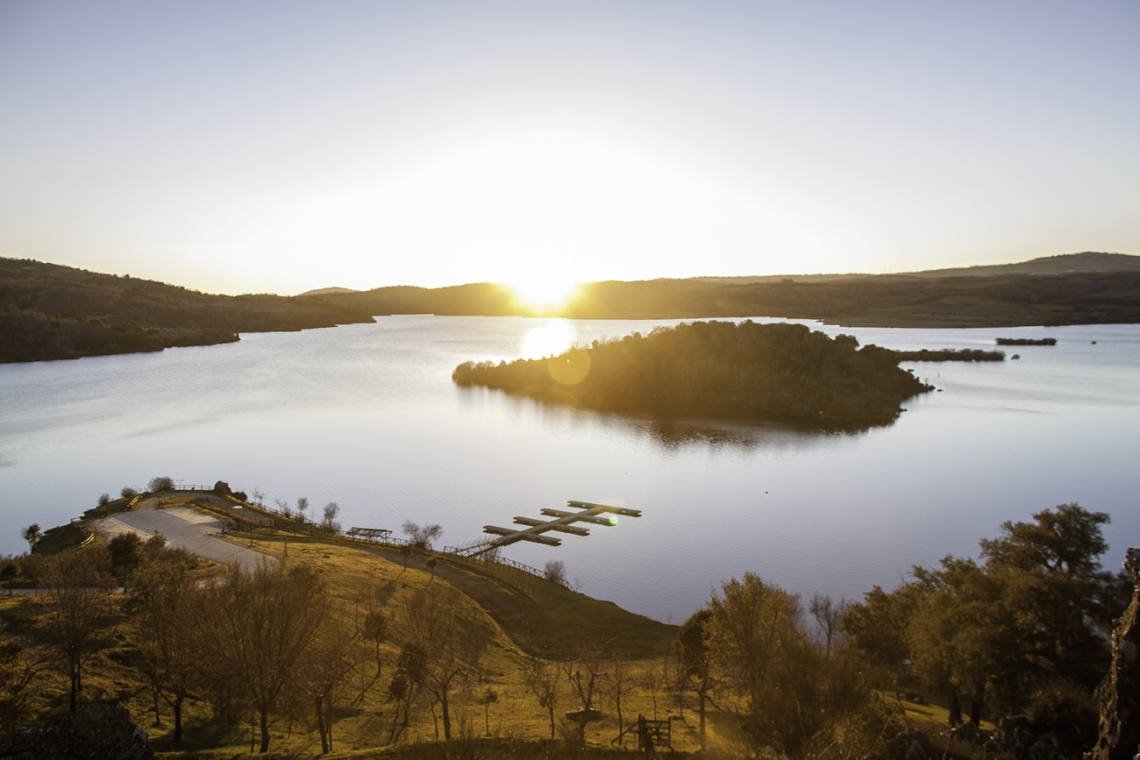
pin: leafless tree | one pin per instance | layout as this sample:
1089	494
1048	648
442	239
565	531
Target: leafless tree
74	612
452	647
325	668
543	680
166	607
328	521
422	536
827	614
261	626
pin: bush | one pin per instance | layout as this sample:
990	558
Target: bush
162	483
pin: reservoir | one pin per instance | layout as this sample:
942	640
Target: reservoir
367	416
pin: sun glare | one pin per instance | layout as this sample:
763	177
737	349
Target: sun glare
550	339
543	294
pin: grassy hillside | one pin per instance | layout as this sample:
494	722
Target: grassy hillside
55	312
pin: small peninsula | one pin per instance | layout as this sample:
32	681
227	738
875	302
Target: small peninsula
778	372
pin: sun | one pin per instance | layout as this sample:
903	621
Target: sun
543	294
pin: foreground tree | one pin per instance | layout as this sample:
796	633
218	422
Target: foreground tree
75	611
796	694
450	646
1023	631
259	627
325	669
165	608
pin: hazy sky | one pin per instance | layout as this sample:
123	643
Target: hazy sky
278	146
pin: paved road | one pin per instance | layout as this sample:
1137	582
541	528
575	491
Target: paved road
184	528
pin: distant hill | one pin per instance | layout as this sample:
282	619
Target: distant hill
1083	288
326	291
1069	263
49	311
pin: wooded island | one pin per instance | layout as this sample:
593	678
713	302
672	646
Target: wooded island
743	371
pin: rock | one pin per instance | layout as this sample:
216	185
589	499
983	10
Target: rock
1118	696
93	733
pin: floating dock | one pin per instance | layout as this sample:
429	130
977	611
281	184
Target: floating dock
562	522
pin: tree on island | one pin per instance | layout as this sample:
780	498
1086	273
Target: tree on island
723	369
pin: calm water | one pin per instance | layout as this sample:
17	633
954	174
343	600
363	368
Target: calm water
367	416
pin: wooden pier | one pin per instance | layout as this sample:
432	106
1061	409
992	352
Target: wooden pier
534	530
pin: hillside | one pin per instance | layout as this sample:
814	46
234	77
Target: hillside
1086	288
55	312
49	311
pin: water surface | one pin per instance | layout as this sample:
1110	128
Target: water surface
367	416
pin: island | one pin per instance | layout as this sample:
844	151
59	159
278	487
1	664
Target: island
748	371
1026	341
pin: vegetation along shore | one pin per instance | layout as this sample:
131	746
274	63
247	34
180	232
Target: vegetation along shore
49	311
388	647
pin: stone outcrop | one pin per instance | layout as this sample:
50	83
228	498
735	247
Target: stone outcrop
1119	694
93	733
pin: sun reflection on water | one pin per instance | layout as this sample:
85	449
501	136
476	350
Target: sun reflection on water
550	338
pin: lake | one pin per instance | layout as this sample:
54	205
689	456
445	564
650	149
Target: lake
367	416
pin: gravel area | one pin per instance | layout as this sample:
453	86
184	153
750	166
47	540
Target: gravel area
184	528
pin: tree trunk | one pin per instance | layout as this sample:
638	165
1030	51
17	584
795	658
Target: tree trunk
954	707
446	714
178	720
322	728
264	730
76	683
701	698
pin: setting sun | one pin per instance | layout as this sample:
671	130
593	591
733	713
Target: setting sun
543	293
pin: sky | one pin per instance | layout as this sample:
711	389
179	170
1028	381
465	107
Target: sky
284	146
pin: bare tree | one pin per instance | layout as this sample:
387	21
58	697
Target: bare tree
302	506
166	608
326	666
260	627
543	680
584	674
555	572
421	537
827	615
328	522
488	698
617	684
20	664
74	612
451	647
